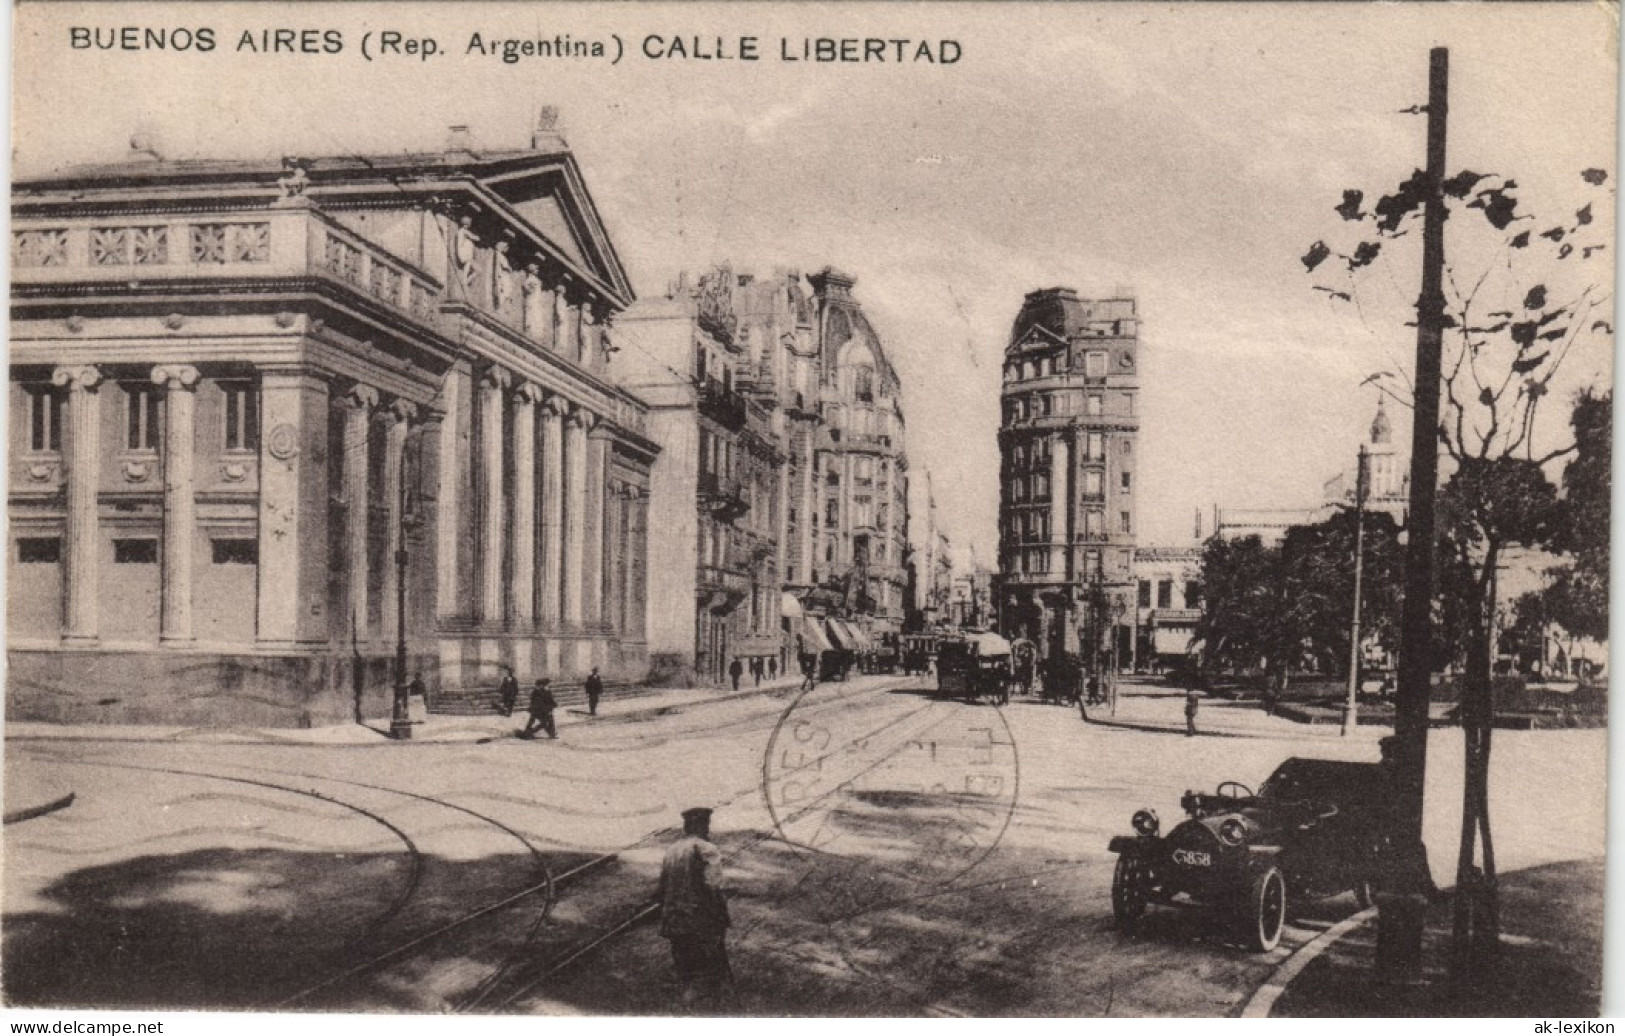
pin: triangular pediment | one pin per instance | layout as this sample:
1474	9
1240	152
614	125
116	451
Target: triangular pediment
1038	337
547	192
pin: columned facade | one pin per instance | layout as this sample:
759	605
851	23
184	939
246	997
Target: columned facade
278	407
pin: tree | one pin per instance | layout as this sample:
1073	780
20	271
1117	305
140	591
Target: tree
1509	328
1577	598
1318	561
1245	620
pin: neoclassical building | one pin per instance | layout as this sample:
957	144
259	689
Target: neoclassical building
1068	474
248	396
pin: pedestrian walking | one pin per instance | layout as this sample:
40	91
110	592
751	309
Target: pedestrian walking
595	690
508	692
756	668
542	705
1193	699
809	670
694	910
736	669
417	688
772	667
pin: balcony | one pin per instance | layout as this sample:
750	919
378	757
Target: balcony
726	408
724	499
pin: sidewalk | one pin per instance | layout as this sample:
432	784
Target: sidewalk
433	730
1550	964
1158	708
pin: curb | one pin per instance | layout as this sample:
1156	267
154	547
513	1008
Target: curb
1263	999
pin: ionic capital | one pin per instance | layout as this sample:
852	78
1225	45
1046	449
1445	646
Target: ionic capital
84	378
529	393
495	378
583	419
556	406
403	410
175	376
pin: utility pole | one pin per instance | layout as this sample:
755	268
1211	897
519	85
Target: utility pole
1351	711
1401	918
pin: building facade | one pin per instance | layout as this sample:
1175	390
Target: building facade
266	413
1067	439
717	494
1167	606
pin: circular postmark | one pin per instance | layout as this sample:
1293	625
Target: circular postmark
926	789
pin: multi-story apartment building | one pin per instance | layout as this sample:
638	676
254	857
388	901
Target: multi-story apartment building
1067	512
716	495
248	396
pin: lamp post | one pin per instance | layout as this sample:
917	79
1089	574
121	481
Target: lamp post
1351	710
400	721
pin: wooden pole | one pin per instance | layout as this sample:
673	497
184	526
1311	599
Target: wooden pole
1399	936
1351	711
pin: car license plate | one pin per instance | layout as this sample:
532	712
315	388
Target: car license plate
1191	858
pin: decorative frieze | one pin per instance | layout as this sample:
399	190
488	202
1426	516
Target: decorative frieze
43	247
129	246
230	242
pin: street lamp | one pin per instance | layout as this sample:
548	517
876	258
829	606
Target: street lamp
400	719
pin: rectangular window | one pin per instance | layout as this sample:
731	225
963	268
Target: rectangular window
1193	593
235	552
1096	446
1128	481
135	552
1093	408
44	418
39	550
1126	525
1091	485
141	408
1165	593
242	416
1145	593
1095	365
1091	524
1128	403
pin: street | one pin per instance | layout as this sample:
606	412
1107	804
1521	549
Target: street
886	854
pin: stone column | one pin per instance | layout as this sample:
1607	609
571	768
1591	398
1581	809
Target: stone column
449	517
592	538
552	436
83	522
575	516
523	551
180	507
610	610
293	566
493	386
397	418
359	404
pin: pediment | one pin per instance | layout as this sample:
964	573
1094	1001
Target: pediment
1038	337
547	191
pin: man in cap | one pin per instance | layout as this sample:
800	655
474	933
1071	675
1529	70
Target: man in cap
693	910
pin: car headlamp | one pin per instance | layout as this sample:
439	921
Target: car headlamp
1232	832
1146	823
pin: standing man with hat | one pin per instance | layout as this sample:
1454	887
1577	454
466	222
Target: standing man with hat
693	910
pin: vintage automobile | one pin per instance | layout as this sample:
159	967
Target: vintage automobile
1312	830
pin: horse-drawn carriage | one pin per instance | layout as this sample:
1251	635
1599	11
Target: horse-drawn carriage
974	667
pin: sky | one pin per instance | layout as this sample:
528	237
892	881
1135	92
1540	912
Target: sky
1189	153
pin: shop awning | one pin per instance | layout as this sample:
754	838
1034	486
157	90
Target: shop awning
810	636
841	635
789	607
861	635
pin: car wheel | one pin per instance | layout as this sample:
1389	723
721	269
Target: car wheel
1128	890
1263	915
